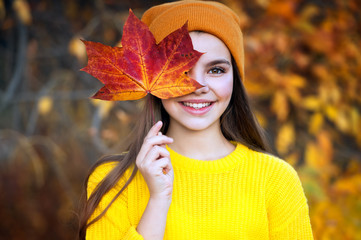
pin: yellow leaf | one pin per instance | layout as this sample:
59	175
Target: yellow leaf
342	122
273	75
316	123
311	103
358	135
319	155
349	185
104	106
285	139
22	9
77	48
292	158
296	81
294	95
2	10
355	121
261	119
45	104
331	112
325	144
280	106
334	94
309	12
263	3
256	89
312	155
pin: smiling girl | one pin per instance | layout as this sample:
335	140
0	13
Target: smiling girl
202	171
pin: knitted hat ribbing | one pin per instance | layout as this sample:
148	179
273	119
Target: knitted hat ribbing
211	17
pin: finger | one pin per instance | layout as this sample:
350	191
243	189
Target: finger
156	153
163	165
150	162
149	143
155	129
160	134
152	155
152	132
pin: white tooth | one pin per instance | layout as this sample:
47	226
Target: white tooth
196	105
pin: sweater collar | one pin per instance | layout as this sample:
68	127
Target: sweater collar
213	166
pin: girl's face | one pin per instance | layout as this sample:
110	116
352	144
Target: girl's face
203	108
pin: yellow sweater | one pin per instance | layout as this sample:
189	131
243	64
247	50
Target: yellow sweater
245	195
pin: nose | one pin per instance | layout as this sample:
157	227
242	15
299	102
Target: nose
199	77
202	90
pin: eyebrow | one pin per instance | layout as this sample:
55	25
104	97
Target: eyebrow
218	61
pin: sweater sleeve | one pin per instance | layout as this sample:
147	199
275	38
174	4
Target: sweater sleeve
115	223
286	204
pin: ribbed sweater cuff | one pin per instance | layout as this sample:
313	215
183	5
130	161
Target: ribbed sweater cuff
132	234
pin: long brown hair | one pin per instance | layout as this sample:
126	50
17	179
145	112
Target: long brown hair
237	124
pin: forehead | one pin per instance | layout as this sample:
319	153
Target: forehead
210	45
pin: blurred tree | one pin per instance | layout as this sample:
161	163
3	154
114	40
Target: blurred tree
303	62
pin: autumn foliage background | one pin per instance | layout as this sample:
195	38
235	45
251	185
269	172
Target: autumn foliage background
303	68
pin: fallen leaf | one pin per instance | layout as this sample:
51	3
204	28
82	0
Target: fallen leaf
311	103
141	66
285	138
315	123
45	104
279	105
77	49
22	9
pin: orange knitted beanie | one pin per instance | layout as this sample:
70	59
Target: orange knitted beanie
207	16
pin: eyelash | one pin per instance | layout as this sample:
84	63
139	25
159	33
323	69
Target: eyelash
218	69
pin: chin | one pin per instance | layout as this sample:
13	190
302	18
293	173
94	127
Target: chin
196	125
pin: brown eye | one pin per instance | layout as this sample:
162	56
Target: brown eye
216	70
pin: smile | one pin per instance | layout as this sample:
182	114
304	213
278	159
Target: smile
196	105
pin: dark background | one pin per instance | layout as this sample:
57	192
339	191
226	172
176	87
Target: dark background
303	68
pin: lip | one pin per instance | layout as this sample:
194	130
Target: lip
197	112
198	101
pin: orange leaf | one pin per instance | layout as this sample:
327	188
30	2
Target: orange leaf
141	66
280	105
285	138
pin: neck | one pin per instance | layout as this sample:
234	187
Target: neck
207	144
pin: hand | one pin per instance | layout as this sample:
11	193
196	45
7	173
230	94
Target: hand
154	164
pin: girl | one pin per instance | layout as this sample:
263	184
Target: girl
203	168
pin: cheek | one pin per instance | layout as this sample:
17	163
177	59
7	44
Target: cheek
167	104
224	88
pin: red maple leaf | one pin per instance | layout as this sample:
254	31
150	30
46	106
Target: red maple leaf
141	66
